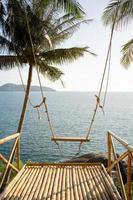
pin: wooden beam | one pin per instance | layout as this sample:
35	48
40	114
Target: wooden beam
111	166
6	161
5	176
129	176
8	138
63	164
109	143
124	196
70	139
18	154
125	144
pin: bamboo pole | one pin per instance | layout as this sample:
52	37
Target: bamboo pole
125	144
129	176
109	142
8	138
10	165
18	154
7	170
119	174
117	161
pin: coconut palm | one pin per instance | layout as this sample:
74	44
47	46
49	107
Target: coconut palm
124	16
23	24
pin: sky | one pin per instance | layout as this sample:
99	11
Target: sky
85	73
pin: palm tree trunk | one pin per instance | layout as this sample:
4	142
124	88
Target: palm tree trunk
23	112
25	103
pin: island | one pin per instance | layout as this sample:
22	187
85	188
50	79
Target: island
14	87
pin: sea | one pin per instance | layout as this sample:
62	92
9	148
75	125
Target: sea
70	114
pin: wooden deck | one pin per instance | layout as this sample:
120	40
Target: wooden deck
61	182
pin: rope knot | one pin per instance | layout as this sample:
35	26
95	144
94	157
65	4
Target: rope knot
97	99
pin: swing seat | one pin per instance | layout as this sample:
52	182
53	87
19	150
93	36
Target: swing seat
69	139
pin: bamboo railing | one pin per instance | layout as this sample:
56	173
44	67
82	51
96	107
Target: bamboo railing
113	161
8	162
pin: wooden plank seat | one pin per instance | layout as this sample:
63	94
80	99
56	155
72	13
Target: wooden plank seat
69	139
62	181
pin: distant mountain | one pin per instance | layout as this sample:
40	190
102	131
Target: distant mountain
14	87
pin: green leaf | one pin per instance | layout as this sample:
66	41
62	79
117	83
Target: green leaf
52	73
125	12
60	56
127	53
8	62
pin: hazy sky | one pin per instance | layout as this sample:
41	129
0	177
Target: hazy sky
85	73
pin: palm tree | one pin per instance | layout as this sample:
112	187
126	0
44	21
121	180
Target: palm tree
124	16
23	25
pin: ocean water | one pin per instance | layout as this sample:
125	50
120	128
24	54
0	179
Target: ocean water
70	113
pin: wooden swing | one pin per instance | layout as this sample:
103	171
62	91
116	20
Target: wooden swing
69	139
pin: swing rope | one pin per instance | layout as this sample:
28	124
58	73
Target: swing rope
106	66
108	77
41	89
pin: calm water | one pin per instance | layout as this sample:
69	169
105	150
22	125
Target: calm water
70	113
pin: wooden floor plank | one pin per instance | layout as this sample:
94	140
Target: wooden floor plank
84	185
99	191
59	184
29	183
104	195
71	184
52	183
32	186
68	184
44	182
47	183
39	182
15	181
21	185
78	184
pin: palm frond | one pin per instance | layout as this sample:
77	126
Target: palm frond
2	13
110	12
5	45
60	56
58	36
71	6
52	73
125	12
8	62
127	53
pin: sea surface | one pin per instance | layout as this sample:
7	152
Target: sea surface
70	113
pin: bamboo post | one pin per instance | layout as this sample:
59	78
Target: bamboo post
6	162
109	142
124	155
18	154
7	170
124	196
129	175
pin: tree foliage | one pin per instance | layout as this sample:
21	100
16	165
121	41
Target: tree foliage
124	16
24	22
